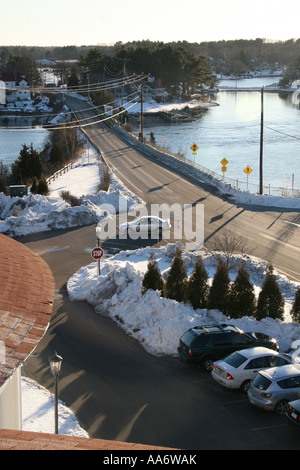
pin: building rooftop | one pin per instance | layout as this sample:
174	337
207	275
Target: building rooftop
24	440
27	289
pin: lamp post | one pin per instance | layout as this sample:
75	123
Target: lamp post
55	366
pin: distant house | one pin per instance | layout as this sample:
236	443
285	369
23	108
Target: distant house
2	92
16	88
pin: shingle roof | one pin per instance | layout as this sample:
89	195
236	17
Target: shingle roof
25	440
27	290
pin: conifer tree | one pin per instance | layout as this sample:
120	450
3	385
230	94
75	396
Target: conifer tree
219	290
197	286
152	278
176	281
241	296
42	187
270	300
295	312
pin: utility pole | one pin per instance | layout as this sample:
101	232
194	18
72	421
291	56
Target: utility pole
261	143
142	117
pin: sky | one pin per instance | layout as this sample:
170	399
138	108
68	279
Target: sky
91	22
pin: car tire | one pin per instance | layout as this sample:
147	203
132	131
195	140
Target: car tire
206	363
245	386
281	407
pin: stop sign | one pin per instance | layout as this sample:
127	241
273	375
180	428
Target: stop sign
97	253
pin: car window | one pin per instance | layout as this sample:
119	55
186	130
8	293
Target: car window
235	359
201	341
261	382
188	337
276	361
235	337
258	363
220	339
152	221
290	382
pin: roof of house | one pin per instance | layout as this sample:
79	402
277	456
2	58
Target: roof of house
27	289
25	440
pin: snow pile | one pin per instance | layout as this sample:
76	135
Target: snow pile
158	323
38	412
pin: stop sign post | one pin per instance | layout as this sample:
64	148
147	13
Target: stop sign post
97	254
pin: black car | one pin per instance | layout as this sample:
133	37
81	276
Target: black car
293	414
206	344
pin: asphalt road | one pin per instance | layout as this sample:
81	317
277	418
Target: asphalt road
119	391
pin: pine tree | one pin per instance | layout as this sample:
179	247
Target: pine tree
219	290
295	312
152	278
176	281
241	296
270	300
27	166
197	286
42	187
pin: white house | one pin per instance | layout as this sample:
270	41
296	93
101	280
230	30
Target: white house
16	90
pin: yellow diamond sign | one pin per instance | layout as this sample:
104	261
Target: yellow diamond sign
224	162
194	148
248	170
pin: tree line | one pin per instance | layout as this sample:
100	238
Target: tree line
170	63
235	299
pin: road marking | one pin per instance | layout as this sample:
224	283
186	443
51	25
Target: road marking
292	223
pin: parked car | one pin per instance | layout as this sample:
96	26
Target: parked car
293	414
206	344
145	226
273	388
238	369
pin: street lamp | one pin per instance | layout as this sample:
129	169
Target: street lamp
55	366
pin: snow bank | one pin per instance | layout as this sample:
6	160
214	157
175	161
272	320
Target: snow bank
158	323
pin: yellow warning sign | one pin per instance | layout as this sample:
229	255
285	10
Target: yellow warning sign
224	162
224	169
248	170
194	148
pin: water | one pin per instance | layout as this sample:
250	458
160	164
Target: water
232	130
11	141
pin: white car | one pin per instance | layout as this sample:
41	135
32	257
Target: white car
144	226
237	370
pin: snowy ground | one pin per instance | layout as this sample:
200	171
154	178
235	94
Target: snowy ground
157	323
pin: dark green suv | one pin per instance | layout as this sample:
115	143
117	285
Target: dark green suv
206	344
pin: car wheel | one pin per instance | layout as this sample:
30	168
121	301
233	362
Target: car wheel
207	363
281	407
245	386
130	232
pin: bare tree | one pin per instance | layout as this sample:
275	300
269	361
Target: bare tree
227	244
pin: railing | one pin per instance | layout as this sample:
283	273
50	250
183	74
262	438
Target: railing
251	187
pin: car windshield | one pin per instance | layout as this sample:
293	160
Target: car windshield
261	382
235	359
187	337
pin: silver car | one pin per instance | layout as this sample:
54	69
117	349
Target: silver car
144	226
273	388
